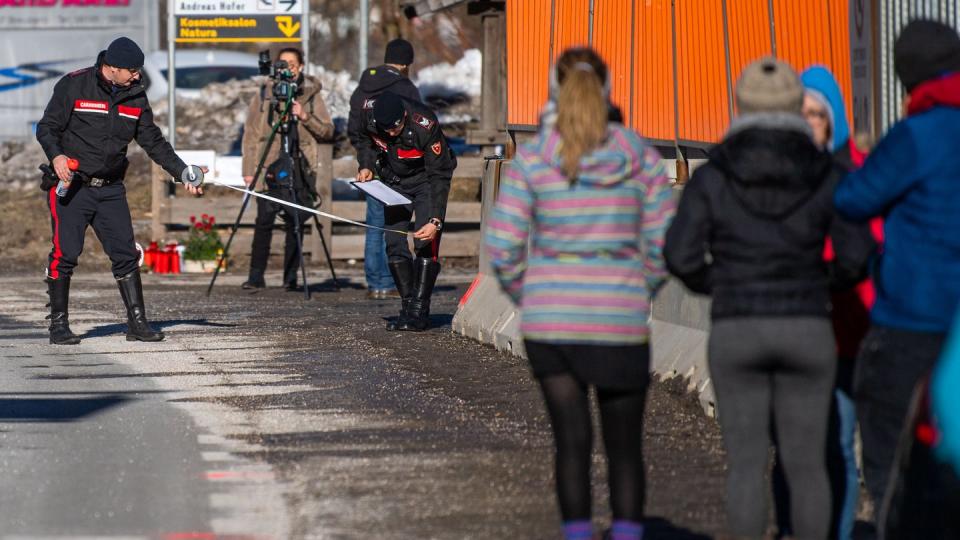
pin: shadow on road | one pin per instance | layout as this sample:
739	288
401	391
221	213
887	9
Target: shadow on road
657	528
119	328
55	409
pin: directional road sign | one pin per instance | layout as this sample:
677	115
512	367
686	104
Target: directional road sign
221	21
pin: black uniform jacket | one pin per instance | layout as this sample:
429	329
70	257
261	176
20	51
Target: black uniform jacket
91	121
419	154
374	82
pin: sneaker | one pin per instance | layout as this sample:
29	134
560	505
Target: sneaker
250	284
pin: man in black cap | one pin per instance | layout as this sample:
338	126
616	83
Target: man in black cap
392	76
413	158
910	179
93	115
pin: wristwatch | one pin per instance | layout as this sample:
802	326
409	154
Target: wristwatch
436	222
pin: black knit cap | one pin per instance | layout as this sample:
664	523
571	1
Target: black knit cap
124	53
925	50
399	52
388	111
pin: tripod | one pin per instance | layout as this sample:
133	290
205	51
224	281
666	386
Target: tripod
291	149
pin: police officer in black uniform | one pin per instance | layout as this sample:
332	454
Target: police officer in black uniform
92	117
408	150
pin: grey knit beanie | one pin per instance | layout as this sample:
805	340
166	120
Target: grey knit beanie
769	85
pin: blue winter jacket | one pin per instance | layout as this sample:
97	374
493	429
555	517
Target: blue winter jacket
912	179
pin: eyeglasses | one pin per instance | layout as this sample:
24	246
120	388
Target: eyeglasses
810	113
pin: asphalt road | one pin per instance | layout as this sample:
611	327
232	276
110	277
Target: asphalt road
267	416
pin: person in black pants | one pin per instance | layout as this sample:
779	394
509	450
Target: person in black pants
403	138
310	125
391	76
93	115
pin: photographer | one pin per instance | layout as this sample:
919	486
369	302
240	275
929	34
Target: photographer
310	125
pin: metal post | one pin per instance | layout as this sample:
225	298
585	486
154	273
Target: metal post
590	24
171	73
726	55
305	36
773	29
364	34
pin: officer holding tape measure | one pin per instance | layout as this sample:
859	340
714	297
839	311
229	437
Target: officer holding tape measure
414	159
93	115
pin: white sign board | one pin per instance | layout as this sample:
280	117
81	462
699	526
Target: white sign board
239	7
43	40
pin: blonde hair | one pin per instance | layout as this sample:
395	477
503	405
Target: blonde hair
582	107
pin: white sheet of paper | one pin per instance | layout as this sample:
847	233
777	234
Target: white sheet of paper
381	192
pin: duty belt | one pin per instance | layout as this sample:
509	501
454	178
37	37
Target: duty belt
99	182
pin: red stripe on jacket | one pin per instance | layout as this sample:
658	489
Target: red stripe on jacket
412	153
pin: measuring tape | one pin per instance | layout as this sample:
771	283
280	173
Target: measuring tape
304	208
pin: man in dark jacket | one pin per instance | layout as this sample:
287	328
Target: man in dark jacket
750	231
413	158
92	117
911	179
392	76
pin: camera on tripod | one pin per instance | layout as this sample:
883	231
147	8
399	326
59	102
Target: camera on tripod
284	81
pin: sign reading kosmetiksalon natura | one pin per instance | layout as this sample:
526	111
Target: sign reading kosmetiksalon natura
222	21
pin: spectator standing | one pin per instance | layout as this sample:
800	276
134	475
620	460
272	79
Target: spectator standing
824	110
911	179
593	202
393	76
750	232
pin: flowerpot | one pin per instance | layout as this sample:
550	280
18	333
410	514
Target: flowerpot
191	266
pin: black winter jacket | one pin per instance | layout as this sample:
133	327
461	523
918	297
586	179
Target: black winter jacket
374	82
751	225
419	154
89	120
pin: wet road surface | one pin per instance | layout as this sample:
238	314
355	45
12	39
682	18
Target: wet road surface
266	415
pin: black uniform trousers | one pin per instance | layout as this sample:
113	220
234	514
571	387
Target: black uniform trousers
398	218
103	207
263	233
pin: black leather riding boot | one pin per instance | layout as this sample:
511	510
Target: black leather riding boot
131	290
402	272
59	291
418	318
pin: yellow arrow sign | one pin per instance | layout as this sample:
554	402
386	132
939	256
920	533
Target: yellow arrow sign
287	26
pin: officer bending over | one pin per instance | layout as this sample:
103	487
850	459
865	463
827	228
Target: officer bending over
93	115
408	147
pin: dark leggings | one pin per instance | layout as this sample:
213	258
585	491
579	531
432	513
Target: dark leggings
621	418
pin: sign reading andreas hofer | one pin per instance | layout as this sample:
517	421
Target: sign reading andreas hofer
222	21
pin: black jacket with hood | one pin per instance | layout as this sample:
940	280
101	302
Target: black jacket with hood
374	82
751	224
92	121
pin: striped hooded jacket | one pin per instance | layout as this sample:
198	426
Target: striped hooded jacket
595	245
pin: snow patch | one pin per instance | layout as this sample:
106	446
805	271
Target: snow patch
448	81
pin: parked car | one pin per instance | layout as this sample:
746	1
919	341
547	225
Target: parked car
196	68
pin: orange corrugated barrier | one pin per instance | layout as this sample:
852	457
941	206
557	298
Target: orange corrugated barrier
709	41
